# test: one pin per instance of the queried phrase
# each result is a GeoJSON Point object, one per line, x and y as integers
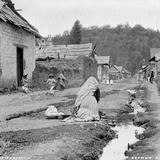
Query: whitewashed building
{"type": "Point", "coordinates": [17, 47]}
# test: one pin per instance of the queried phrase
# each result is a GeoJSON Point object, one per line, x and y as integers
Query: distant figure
{"type": "Point", "coordinates": [25, 84]}
{"type": "Point", "coordinates": [152, 77]}
{"type": "Point", "coordinates": [52, 83]}
{"type": "Point", "coordinates": [148, 78]}
{"type": "Point", "coordinates": [107, 78]}
{"type": "Point", "coordinates": [61, 82]}
{"type": "Point", "coordinates": [111, 81]}
{"type": "Point", "coordinates": [104, 79]}
{"type": "Point", "coordinates": [138, 76]}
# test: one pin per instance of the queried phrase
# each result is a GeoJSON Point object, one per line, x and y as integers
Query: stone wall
{"type": "Point", "coordinates": [14, 37]}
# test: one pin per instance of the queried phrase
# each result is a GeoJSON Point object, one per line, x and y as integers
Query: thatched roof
{"type": "Point", "coordinates": [13, 17]}
{"type": "Point", "coordinates": [102, 59]}
{"type": "Point", "coordinates": [63, 51]}
{"type": "Point", "coordinates": [113, 69]}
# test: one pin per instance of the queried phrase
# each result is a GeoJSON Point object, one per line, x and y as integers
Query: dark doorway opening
{"type": "Point", "coordinates": [20, 68]}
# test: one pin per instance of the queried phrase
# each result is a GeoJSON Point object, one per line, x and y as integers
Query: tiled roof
{"type": "Point", "coordinates": [13, 17]}
{"type": "Point", "coordinates": [64, 51]}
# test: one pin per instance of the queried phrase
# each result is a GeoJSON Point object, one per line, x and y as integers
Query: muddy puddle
{"type": "Point", "coordinates": [125, 135]}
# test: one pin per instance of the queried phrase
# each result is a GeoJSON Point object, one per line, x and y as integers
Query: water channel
{"type": "Point", "coordinates": [116, 148]}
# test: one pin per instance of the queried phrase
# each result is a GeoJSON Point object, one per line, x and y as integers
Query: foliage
{"type": "Point", "coordinates": [127, 46]}
{"type": "Point", "coordinates": [64, 39]}
{"type": "Point", "coordinates": [72, 37]}
{"type": "Point", "coordinates": [75, 34]}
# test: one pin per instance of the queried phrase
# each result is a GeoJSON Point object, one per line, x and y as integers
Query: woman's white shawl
{"type": "Point", "coordinates": [88, 88]}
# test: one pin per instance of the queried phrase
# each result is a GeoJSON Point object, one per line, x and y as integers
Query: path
{"type": "Point", "coordinates": [20, 102]}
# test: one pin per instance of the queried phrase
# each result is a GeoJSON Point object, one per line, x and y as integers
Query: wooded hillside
{"type": "Point", "coordinates": [127, 46]}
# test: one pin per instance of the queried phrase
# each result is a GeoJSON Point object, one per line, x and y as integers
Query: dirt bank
{"type": "Point", "coordinates": [92, 137]}
{"type": "Point", "coordinates": [88, 138]}
{"type": "Point", "coordinates": [146, 148]}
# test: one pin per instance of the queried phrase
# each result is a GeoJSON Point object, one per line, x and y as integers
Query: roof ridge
{"type": "Point", "coordinates": [12, 16]}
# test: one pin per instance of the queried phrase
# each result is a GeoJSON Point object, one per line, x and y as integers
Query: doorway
{"type": "Point", "coordinates": [20, 68]}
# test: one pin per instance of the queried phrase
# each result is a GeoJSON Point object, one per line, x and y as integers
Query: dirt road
{"type": "Point", "coordinates": [33, 137]}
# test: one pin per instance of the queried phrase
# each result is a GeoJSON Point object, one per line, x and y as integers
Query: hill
{"type": "Point", "coordinates": [127, 46]}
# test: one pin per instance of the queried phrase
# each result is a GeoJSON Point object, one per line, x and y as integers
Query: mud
{"type": "Point", "coordinates": [64, 107]}
{"type": "Point", "coordinates": [126, 130]}
{"type": "Point", "coordinates": [90, 139]}
{"type": "Point", "coordinates": [103, 94]}
{"type": "Point", "coordinates": [145, 147]}
{"type": "Point", "coordinates": [65, 141]}
{"type": "Point", "coordinates": [126, 135]}
{"type": "Point", "coordinates": [40, 111]}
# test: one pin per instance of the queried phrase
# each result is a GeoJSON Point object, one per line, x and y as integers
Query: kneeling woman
{"type": "Point", "coordinates": [86, 105]}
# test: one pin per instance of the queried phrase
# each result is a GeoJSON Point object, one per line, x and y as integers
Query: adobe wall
{"type": "Point", "coordinates": [76, 71]}
{"type": "Point", "coordinates": [11, 38]}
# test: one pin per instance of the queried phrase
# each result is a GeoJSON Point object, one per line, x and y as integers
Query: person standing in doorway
{"type": "Point", "coordinates": [152, 77]}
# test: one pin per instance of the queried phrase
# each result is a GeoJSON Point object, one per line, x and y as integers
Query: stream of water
{"type": "Point", "coordinates": [116, 148]}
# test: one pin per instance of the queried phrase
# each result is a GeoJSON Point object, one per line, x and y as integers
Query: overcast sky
{"type": "Point", "coordinates": [52, 17]}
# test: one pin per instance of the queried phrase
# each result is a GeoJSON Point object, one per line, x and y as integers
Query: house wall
{"type": "Point", "coordinates": [14, 37]}
{"type": "Point", "coordinates": [158, 76]}
{"type": "Point", "coordinates": [153, 68]}
{"type": "Point", "coordinates": [0, 63]}
{"type": "Point", "coordinates": [158, 67]}
{"type": "Point", "coordinates": [106, 71]}
{"type": "Point", "coordinates": [90, 68]}
{"type": "Point", "coordinates": [99, 72]}
{"type": "Point", "coordinates": [114, 74]}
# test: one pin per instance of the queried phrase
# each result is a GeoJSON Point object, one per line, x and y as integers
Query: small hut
{"type": "Point", "coordinates": [102, 67]}
{"type": "Point", "coordinates": [114, 72]}
{"type": "Point", "coordinates": [17, 47]}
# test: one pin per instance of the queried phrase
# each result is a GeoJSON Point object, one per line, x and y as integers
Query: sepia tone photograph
{"type": "Point", "coordinates": [79, 79]}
